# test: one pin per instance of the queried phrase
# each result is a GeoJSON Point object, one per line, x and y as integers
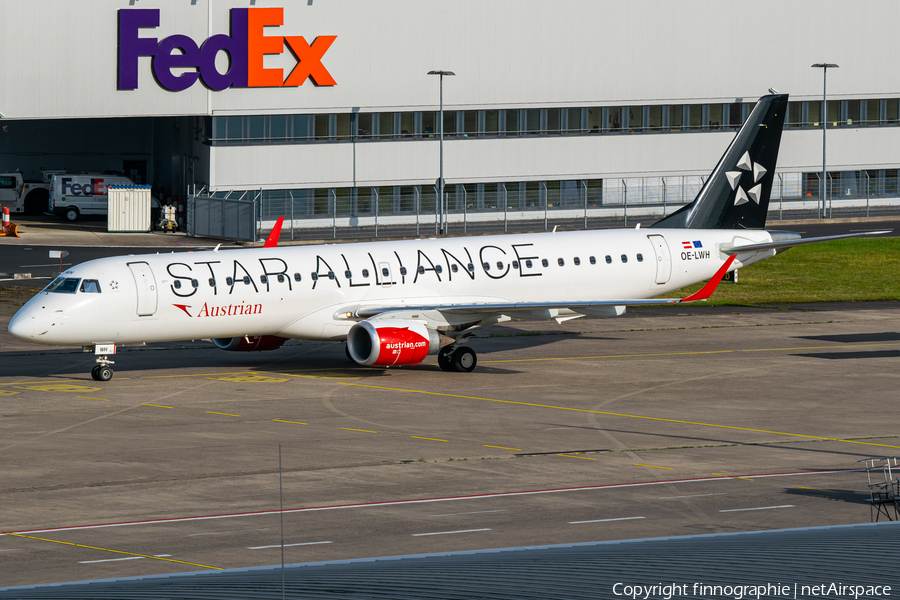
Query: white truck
{"type": "Point", "coordinates": [72, 196]}
{"type": "Point", "coordinates": [26, 196]}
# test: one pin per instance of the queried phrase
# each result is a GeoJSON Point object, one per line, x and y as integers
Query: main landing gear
{"type": "Point", "coordinates": [102, 371]}
{"type": "Point", "coordinates": [461, 359]}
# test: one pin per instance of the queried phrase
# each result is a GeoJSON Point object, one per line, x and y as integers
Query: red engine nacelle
{"type": "Point", "coordinates": [250, 343]}
{"type": "Point", "coordinates": [391, 342]}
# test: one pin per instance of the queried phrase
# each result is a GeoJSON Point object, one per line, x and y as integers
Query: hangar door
{"type": "Point", "coordinates": [146, 288]}
{"type": "Point", "coordinates": [663, 258]}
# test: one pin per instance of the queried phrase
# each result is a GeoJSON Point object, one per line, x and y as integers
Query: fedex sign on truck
{"type": "Point", "coordinates": [246, 45]}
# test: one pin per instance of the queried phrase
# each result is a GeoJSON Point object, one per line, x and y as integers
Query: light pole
{"type": "Point", "coordinates": [824, 67]}
{"type": "Point", "coordinates": [441, 121]}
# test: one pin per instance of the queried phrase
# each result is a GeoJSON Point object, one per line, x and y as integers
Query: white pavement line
{"type": "Point", "coordinates": [610, 486]}
{"type": "Point", "coordinates": [446, 532]}
{"type": "Point", "coordinates": [87, 562]}
{"type": "Point", "coordinates": [692, 496]}
{"type": "Point", "coordinates": [286, 545]}
{"type": "Point", "coordinates": [605, 520]}
{"type": "Point", "coordinates": [757, 508]}
{"type": "Point", "coordinates": [474, 512]}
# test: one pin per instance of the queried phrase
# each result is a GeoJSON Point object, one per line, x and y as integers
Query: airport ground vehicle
{"type": "Point", "coordinates": [396, 302]}
{"type": "Point", "coordinates": [73, 196]}
{"type": "Point", "coordinates": [26, 196]}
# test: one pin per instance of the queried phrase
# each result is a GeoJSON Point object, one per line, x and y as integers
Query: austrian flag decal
{"type": "Point", "coordinates": [691, 245]}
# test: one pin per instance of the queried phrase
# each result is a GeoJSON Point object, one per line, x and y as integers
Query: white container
{"type": "Point", "coordinates": [129, 209]}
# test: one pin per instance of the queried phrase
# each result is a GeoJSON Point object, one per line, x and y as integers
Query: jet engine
{"type": "Point", "coordinates": [391, 342]}
{"type": "Point", "coordinates": [250, 343]}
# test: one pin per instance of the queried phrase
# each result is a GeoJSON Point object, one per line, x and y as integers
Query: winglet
{"type": "Point", "coordinates": [272, 240]}
{"type": "Point", "coordinates": [711, 285]}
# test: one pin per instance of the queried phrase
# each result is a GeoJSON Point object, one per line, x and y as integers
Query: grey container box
{"type": "Point", "coordinates": [129, 209]}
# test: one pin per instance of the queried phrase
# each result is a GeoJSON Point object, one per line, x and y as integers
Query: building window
{"type": "Point", "coordinates": [491, 122]}
{"type": "Point", "coordinates": [654, 118]}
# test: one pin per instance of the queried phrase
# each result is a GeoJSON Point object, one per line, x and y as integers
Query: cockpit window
{"type": "Point", "coordinates": [90, 286]}
{"type": "Point", "coordinates": [63, 285]}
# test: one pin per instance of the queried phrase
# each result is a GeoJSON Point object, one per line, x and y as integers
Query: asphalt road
{"type": "Point", "coordinates": [662, 422]}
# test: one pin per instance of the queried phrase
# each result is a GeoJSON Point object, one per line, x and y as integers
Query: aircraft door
{"type": "Point", "coordinates": [385, 276]}
{"type": "Point", "coordinates": [145, 283]}
{"type": "Point", "coordinates": [663, 258]}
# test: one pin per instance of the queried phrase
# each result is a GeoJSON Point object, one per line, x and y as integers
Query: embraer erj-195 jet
{"type": "Point", "coordinates": [396, 302]}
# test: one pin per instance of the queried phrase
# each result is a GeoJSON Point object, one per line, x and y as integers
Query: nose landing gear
{"type": "Point", "coordinates": [102, 371]}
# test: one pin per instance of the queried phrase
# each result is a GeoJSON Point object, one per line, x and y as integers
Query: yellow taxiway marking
{"type": "Point", "coordinates": [156, 405]}
{"type": "Point", "coordinates": [684, 353]}
{"type": "Point", "coordinates": [31, 537]}
{"type": "Point", "coordinates": [252, 378]}
{"type": "Point", "coordinates": [10, 393]}
{"type": "Point", "coordinates": [294, 422]}
{"type": "Point", "coordinates": [363, 430]}
{"type": "Point", "coordinates": [653, 466]}
{"type": "Point", "coordinates": [573, 456]}
{"type": "Point", "coordinates": [816, 489]}
{"type": "Point", "coordinates": [196, 375]}
{"type": "Point", "coordinates": [503, 448]}
{"type": "Point", "coordinates": [735, 477]}
{"type": "Point", "coordinates": [425, 438]}
{"type": "Point", "coordinates": [58, 387]}
{"type": "Point", "coordinates": [36, 382]}
{"type": "Point", "coordinates": [612, 414]}
{"type": "Point", "coordinates": [212, 412]}
{"type": "Point", "coordinates": [86, 398]}
{"type": "Point", "coordinates": [325, 375]}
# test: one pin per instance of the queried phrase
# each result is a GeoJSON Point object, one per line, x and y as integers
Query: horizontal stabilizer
{"type": "Point", "coordinates": [796, 242]}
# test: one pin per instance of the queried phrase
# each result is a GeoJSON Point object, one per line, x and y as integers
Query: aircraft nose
{"type": "Point", "coordinates": [22, 325]}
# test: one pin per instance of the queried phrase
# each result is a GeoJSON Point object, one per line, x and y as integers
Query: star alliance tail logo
{"type": "Point", "coordinates": [734, 177]}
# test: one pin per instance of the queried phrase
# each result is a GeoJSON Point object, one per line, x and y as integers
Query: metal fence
{"type": "Point", "coordinates": [232, 219]}
{"type": "Point", "coordinates": [404, 211]}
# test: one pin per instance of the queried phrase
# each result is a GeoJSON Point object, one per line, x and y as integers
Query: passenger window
{"type": "Point", "coordinates": [593, 260]}
{"type": "Point", "coordinates": [438, 269]}
{"type": "Point", "coordinates": [212, 282]}
{"type": "Point", "coordinates": [486, 266]}
{"type": "Point", "coordinates": [246, 280]}
{"type": "Point", "coordinates": [263, 279]}
{"type": "Point", "coordinates": [177, 284]}
{"type": "Point", "coordinates": [402, 271]}
{"type": "Point", "coordinates": [608, 259]}
{"type": "Point", "coordinates": [560, 261]}
{"type": "Point", "coordinates": [499, 265]}
{"type": "Point", "coordinates": [454, 268]}
{"type": "Point", "coordinates": [296, 276]}
{"type": "Point", "coordinates": [640, 257]}
{"type": "Point", "coordinates": [365, 273]}
{"type": "Point", "coordinates": [421, 270]}
{"type": "Point", "coordinates": [385, 272]}
{"type": "Point", "coordinates": [624, 258]}
{"type": "Point", "coordinates": [195, 284]}
{"type": "Point", "coordinates": [577, 261]}
{"type": "Point", "coordinates": [314, 276]}
{"type": "Point", "coordinates": [228, 281]}
{"type": "Point", "coordinates": [280, 278]}
{"type": "Point", "coordinates": [90, 286]}
{"type": "Point", "coordinates": [471, 267]}
{"type": "Point", "coordinates": [528, 263]}
{"type": "Point", "coordinates": [515, 264]}
{"type": "Point", "coordinates": [348, 274]}
{"type": "Point", "coordinates": [331, 275]}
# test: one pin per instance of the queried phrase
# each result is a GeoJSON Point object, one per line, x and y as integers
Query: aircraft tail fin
{"type": "Point", "coordinates": [736, 195]}
{"type": "Point", "coordinates": [272, 240]}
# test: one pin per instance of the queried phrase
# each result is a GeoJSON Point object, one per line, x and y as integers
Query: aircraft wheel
{"type": "Point", "coordinates": [445, 359]}
{"type": "Point", "coordinates": [103, 373]}
{"type": "Point", "coordinates": [94, 372]}
{"type": "Point", "coordinates": [464, 359]}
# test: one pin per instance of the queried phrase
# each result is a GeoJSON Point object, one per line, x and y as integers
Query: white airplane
{"type": "Point", "coordinates": [396, 302]}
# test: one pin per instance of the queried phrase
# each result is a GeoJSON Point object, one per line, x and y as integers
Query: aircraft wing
{"type": "Point", "coordinates": [796, 242]}
{"type": "Point", "coordinates": [704, 293]}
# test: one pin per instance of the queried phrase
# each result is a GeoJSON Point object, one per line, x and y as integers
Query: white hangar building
{"type": "Point", "coordinates": [329, 102]}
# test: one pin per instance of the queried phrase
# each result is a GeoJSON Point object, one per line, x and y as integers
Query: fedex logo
{"type": "Point", "coordinates": [246, 45]}
{"type": "Point", "coordinates": [96, 187]}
